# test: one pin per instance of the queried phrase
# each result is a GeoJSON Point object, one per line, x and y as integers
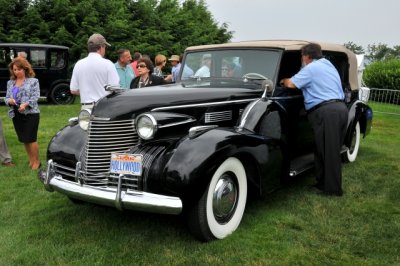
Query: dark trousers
{"type": "Point", "coordinates": [329, 123]}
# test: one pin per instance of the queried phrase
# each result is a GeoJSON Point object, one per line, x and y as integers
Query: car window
{"type": "Point", "coordinates": [57, 59]}
{"type": "Point", "coordinates": [6, 56]}
{"type": "Point", "coordinates": [231, 66]}
{"type": "Point", "coordinates": [340, 61]}
{"type": "Point", "coordinates": [38, 57]}
{"type": "Point", "coordinates": [230, 63]}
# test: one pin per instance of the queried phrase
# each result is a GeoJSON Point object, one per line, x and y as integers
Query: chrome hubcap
{"type": "Point", "coordinates": [225, 198]}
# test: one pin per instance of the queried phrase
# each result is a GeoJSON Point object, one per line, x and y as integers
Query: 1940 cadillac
{"type": "Point", "coordinates": [223, 131]}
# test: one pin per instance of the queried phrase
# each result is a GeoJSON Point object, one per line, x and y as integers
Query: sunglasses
{"type": "Point", "coordinates": [141, 66]}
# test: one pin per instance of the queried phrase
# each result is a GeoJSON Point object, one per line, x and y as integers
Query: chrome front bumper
{"type": "Point", "coordinates": [114, 197]}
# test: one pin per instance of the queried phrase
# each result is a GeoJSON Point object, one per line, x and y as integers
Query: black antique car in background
{"type": "Point", "coordinates": [201, 146]}
{"type": "Point", "coordinates": [50, 63]}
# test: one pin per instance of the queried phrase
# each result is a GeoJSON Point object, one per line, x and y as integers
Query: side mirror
{"type": "Point", "coordinates": [268, 87]}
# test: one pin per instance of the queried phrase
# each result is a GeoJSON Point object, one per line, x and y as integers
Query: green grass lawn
{"type": "Point", "coordinates": [289, 227]}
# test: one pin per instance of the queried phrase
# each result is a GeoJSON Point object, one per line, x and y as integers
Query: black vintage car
{"type": "Point", "coordinates": [50, 63]}
{"type": "Point", "coordinates": [224, 131]}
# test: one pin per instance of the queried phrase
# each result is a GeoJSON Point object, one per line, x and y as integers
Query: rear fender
{"type": "Point", "coordinates": [362, 113]}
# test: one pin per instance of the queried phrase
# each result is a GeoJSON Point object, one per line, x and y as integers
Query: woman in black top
{"type": "Point", "coordinates": [146, 79]}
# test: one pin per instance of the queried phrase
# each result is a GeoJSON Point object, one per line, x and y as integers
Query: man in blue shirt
{"type": "Point", "coordinates": [125, 72]}
{"type": "Point", "coordinates": [324, 101]}
{"type": "Point", "coordinates": [176, 67]}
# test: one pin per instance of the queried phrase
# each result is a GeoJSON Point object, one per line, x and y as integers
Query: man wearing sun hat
{"type": "Point", "coordinates": [93, 72]}
{"type": "Point", "coordinates": [176, 66]}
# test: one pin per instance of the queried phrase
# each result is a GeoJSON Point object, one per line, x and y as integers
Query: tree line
{"type": "Point", "coordinates": [148, 26]}
{"type": "Point", "coordinates": [375, 52]}
{"type": "Point", "coordinates": [382, 70]}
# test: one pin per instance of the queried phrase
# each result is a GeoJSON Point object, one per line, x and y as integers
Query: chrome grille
{"type": "Point", "coordinates": [64, 171]}
{"type": "Point", "coordinates": [105, 137]}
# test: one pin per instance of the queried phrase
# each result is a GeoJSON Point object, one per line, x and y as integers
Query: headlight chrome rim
{"type": "Point", "coordinates": [146, 126]}
{"type": "Point", "coordinates": [84, 118]}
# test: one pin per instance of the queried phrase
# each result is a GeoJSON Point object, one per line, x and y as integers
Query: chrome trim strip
{"type": "Point", "coordinates": [243, 120]}
{"type": "Point", "coordinates": [190, 120]}
{"type": "Point", "coordinates": [285, 97]}
{"type": "Point", "coordinates": [201, 104]}
{"type": "Point", "coordinates": [194, 130]}
{"type": "Point", "coordinates": [101, 118]}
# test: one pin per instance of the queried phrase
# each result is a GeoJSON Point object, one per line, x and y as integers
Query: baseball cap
{"type": "Point", "coordinates": [174, 58]}
{"type": "Point", "coordinates": [97, 39]}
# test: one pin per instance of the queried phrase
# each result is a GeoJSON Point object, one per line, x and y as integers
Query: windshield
{"type": "Point", "coordinates": [232, 66]}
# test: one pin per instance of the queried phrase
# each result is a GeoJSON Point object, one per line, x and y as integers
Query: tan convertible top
{"type": "Point", "coordinates": [290, 45]}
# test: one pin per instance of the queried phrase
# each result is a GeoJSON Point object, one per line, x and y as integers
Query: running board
{"type": "Point", "coordinates": [301, 164]}
{"type": "Point", "coordinates": [306, 162]}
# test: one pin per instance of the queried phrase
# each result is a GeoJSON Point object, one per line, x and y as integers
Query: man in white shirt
{"type": "Point", "coordinates": [93, 72]}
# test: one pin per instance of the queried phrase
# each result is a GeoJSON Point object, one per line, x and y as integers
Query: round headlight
{"type": "Point", "coordinates": [84, 118]}
{"type": "Point", "coordinates": [146, 126]}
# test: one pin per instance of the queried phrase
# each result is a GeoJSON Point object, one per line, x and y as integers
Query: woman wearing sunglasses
{"type": "Point", "coordinates": [146, 79]}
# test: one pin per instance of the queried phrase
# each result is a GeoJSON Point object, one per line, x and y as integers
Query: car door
{"type": "Point", "coordinates": [299, 132]}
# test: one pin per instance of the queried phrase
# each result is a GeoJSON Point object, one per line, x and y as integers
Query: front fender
{"type": "Point", "coordinates": [253, 112]}
{"type": "Point", "coordinates": [195, 159]}
{"type": "Point", "coordinates": [66, 146]}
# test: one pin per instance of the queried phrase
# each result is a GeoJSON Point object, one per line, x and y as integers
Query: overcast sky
{"type": "Point", "coordinates": [361, 21]}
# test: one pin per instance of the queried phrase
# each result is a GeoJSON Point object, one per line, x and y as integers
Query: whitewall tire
{"type": "Point", "coordinates": [351, 153]}
{"type": "Point", "coordinates": [220, 209]}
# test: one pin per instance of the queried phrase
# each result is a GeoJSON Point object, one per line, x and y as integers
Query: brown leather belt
{"type": "Point", "coordinates": [322, 104]}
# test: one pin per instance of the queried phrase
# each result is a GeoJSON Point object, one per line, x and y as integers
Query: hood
{"type": "Point", "coordinates": [124, 104]}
